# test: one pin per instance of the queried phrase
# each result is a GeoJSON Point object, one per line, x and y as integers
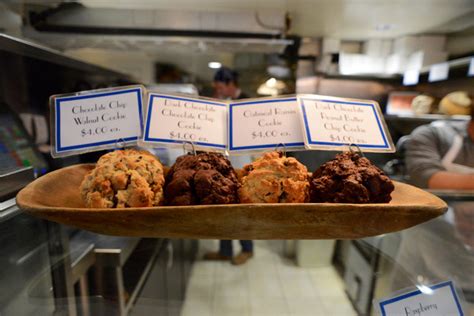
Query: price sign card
{"type": "Point", "coordinates": [411, 77]}
{"type": "Point", "coordinates": [437, 300]}
{"type": "Point", "coordinates": [438, 72]}
{"type": "Point", "coordinates": [331, 123]}
{"type": "Point", "coordinates": [96, 120]}
{"type": "Point", "coordinates": [263, 124]}
{"type": "Point", "coordinates": [470, 70]}
{"type": "Point", "coordinates": [174, 120]}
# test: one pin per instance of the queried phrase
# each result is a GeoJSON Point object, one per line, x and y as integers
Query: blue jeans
{"type": "Point", "coordinates": [225, 247]}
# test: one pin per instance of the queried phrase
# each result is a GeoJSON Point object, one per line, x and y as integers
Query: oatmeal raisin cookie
{"type": "Point", "coordinates": [274, 178]}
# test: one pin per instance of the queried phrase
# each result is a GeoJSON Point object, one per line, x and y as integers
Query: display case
{"type": "Point", "coordinates": [55, 269]}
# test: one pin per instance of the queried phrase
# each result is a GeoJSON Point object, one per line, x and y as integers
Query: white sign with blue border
{"type": "Point", "coordinates": [438, 72]}
{"type": "Point", "coordinates": [172, 120]}
{"type": "Point", "coordinates": [470, 70]}
{"type": "Point", "coordinates": [331, 123]}
{"type": "Point", "coordinates": [96, 120]}
{"type": "Point", "coordinates": [265, 123]}
{"type": "Point", "coordinates": [436, 300]}
{"type": "Point", "coordinates": [411, 77]}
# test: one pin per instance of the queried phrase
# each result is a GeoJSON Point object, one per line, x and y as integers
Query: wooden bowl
{"type": "Point", "coordinates": [55, 196]}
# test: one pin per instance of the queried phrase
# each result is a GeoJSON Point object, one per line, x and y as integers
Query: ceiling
{"type": "Point", "coordinates": [353, 20]}
{"type": "Point", "coordinates": [345, 19]}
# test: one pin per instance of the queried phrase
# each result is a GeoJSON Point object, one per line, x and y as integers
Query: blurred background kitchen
{"type": "Point", "coordinates": [416, 58]}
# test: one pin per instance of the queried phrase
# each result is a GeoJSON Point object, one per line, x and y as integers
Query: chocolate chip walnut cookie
{"type": "Point", "coordinates": [274, 178]}
{"type": "Point", "coordinates": [124, 178]}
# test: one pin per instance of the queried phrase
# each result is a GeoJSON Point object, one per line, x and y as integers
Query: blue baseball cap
{"type": "Point", "coordinates": [226, 75]}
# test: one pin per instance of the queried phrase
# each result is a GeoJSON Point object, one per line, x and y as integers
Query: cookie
{"type": "Point", "coordinates": [350, 178]}
{"type": "Point", "coordinates": [205, 178]}
{"type": "Point", "coordinates": [274, 178]}
{"type": "Point", "coordinates": [124, 178]}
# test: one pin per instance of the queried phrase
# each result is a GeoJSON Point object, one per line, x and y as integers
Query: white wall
{"type": "Point", "coordinates": [460, 44]}
{"type": "Point", "coordinates": [10, 22]}
{"type": "Point", "coordinates": [137, 64]}
{"type": "Point", "coordinates": [141, 65]}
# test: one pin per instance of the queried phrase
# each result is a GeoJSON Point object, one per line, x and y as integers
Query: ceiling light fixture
{"type": "Point", "coordinates": [214, 65]}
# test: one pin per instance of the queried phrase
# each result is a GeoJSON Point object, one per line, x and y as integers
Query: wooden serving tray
{"type": "Point", "coordinates": [55, 196]}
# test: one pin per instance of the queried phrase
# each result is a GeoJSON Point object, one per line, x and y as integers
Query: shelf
{"type": "Point", "coordinates": [455, 63]}
{"type": "Point", "coordinates": [8, 209]}
{"type": "Point", "coordinates": [361, 76]}
{"type": "Point", "coordinates": [40, 52]}
{"type": "Point", "coordinates": [426, 117]}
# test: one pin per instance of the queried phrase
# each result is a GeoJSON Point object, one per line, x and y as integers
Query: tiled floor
{"type": "Point", "coordinates": [268, 285]}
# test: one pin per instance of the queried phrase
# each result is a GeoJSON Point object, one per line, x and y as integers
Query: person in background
{"type": "Point", "coordinates": [441, 156]}
{"type": "Point", "coordinates": [226, 87]}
